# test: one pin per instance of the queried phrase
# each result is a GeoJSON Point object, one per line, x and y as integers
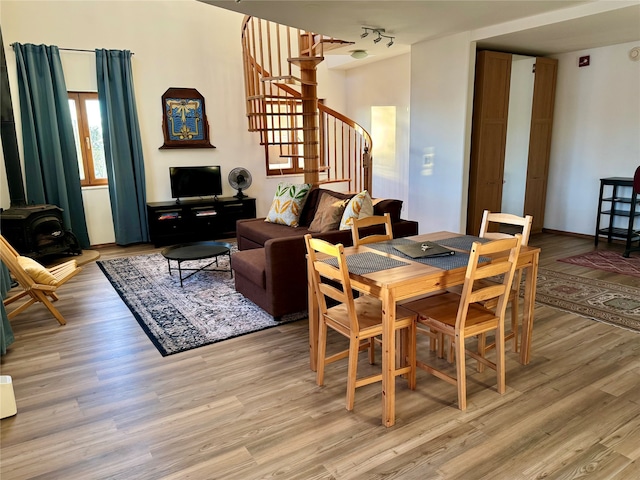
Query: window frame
{"type": "Point", "coordinates": [90, 179]}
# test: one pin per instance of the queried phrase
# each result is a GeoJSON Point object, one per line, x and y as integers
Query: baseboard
{"type": "Point", "coordinates": [603, 238]}
{"type": "Point", "coordinates": [567, 234]}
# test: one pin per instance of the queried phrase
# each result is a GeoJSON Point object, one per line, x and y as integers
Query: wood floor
{"type": "Point", "coordinates": [96, 400]}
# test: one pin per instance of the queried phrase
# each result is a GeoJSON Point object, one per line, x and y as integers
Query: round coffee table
{"type": "Point", "coordinates": [197, 251]}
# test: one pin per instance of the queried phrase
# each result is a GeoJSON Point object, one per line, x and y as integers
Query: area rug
{"type": "Point", "coordinates": [605, 302]}
{"type": "Point", "coordinates": [608, 261]}
{"type": "Point", "coordinates": [206, 310]}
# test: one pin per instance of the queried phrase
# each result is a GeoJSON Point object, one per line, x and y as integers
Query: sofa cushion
{"type": "Point", "coordinates": [251, 264]}
{"type": "Point", "coordinates": [310, 206]}
{"type": "Point", "coordinates": [359, 206]}
{"type": "Point", "coordinates": [287, 204]}
{"type": "Point", "coordinates": [328, 213]}
{"type": "Point", "coordinates": [36, 271]}
{"type": "Point", "coordinates": [258, 232]}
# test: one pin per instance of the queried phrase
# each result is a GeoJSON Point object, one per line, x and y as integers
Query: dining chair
{"type": "Point", "coordinates": [38, 283]}
{"type": "Point", "coordinates": [360, 223]}
{"type": "Point", "coordinates": [358, 319]}
{"type": "Point", "coordinates": [490, 227]}
{"type": "Point", "coordinates": [459, 317]}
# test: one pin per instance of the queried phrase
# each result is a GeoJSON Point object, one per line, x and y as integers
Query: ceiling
{"type": "Point", "coordinates": [597, 23]}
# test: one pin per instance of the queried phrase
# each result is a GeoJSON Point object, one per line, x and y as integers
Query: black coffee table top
{"type": "Point", "coordinates": [196, 250]}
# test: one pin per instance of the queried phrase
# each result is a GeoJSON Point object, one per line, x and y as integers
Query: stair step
{"type": "Point", "coordinates": [335, 180]}
{"type": "Point", "coordinates": [287, 79]}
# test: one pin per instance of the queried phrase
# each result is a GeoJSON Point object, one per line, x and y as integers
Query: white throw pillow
{"type": "Point", "coordinates": [360, 206]}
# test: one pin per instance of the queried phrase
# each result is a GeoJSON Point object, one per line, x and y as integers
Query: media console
{"type": "Point", "coordinates": [195, 220]}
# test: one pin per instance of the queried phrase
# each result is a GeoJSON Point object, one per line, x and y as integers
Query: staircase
{"type": "Point", "coordinates": [299, 133]}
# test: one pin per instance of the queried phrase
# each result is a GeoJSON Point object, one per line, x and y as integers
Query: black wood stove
{"type": "Point", "coordinates": [37, 231]}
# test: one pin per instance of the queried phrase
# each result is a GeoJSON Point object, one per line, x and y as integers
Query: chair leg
{"type": "Point", "coordinates": [461, 373]}
{"type": "Point", "coordinates": [412, 354]}
{"type": "Point", "coordinates": [47, 303]}
{"type": "Point", "coordinates": [322, 353]}
{"type": "Point", "coordinates": [372, 350]}
{"type": "Point", "coordinates": [482, 349]}
{"type": "Point", "coordinates": [514, 321]}
{"type": "Point", "coordinates": [500, 361]}
{"type": "Point", "coordinates": [352, 371]}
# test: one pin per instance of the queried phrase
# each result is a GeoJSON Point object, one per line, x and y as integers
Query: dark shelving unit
{"type": "Point", "coordinates": [617, 200]}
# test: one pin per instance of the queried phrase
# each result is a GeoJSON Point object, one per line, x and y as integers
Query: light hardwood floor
{"type": "Point", "coordinates": [96, 400]}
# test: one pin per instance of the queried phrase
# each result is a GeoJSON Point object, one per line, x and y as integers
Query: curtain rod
{"type": "Point", "coordinates": [75, 49]}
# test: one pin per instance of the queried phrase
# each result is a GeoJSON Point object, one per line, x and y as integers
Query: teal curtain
{"type": "Point", "coordinates": [50, 159]}
{"type": "Point", "coordinates": [6, 334]}
{"type": "Point", "coordinates": [122, 145]}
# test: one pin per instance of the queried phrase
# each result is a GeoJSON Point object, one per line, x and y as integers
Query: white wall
{"type": "Point", "coordinates": [595, 133]}
{"type": "Point", "coordinates": [384, 83]}
{"type": "Point", "coordinates": [442, 73]}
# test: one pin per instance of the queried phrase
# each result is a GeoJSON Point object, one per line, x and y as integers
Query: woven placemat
{"type": "Point", "coordinates": [463, 242]}
{"type": "Point", "coordinates": [460, 259]}
{"type": "Point", "coordinates": [368, 262]}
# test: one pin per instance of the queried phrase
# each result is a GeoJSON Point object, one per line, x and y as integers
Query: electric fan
{"type": "Point", "coordinates": [240, 179]}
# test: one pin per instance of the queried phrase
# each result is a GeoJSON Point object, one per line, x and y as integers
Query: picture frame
{"type": "Point", "coordinates": [184, 120]}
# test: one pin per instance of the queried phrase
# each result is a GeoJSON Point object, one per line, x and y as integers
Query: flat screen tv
{"type": "Point", "coordinates": [195, 181]}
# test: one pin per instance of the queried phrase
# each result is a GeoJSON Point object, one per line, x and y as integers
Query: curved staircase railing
{"type": "Point", "coordinates": [299, 133]}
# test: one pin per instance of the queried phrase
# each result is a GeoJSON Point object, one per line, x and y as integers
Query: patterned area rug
{"type": "Point", "coordinates": [206, 310]}
{"type": "Point", "coordinates": [606, 302]}
{"type": "Point", "coordinates": [608, 261]}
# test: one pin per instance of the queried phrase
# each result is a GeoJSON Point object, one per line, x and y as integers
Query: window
{"type": "Point", "coordinates": [87, 129]}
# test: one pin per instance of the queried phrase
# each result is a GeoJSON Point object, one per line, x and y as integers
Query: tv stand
{"type": "Point", "coordinates": [192, 220]}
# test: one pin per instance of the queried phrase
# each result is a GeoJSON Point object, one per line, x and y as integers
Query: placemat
{"type": "Point", "coordinates": [462, 243]}
{"type": "Point", "coordinates": [367, 262]}
{"type": "Point", "coordinates": [460, 259]}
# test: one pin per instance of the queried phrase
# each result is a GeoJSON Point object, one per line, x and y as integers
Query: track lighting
{"type": "Point", "coordinates": [379, 32]}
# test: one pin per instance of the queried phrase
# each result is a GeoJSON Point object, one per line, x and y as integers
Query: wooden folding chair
{"type": "Point", "coordinates": [37, 282]}
{"type": "Point", "coordinates": [359, 319]}
{"type": "Point", "coordinates": [459, 317]}
{"type": "Point", "coordinates": [359, 223]}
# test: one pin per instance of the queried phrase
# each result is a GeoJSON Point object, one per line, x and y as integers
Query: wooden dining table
{"type": "Point", "coordinates": [414, 279]}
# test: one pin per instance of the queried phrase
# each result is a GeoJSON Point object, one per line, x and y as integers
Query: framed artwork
{"type": "Point", "coordinates": [184, 121]}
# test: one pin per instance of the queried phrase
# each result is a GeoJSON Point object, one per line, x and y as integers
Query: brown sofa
{"type": "Point", "coordinates": [270, 267]}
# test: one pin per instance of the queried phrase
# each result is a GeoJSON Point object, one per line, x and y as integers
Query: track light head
{"type": "Point", "coordinates": [376, 40]}
{"type": "Point", "coordinates": [363, 35]}
{"type": "Point", "coordinates": [390, 43]}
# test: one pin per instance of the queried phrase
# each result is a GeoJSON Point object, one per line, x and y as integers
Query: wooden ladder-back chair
{"type": "Point", "coordinates": [359, 319]}
{"type": "Point", "coordinates": [460, 316]}
{"type": "Point", "coordinates": [37, 282]}
{"type": "Point", "coordinates": [490, 222]}
{"type": "Point", "coordinates": [359, 223]}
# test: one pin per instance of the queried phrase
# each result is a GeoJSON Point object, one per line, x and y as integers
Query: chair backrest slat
{"type": "Point", "coordinates": [491, 219]}
{"type": "Point", "coordinates": [360, 223]}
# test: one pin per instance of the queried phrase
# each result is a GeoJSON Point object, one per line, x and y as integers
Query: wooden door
{"type": "Point", "coordinates": [544, 93]}
{"type": "Point", "coordinates": [488, 136]}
